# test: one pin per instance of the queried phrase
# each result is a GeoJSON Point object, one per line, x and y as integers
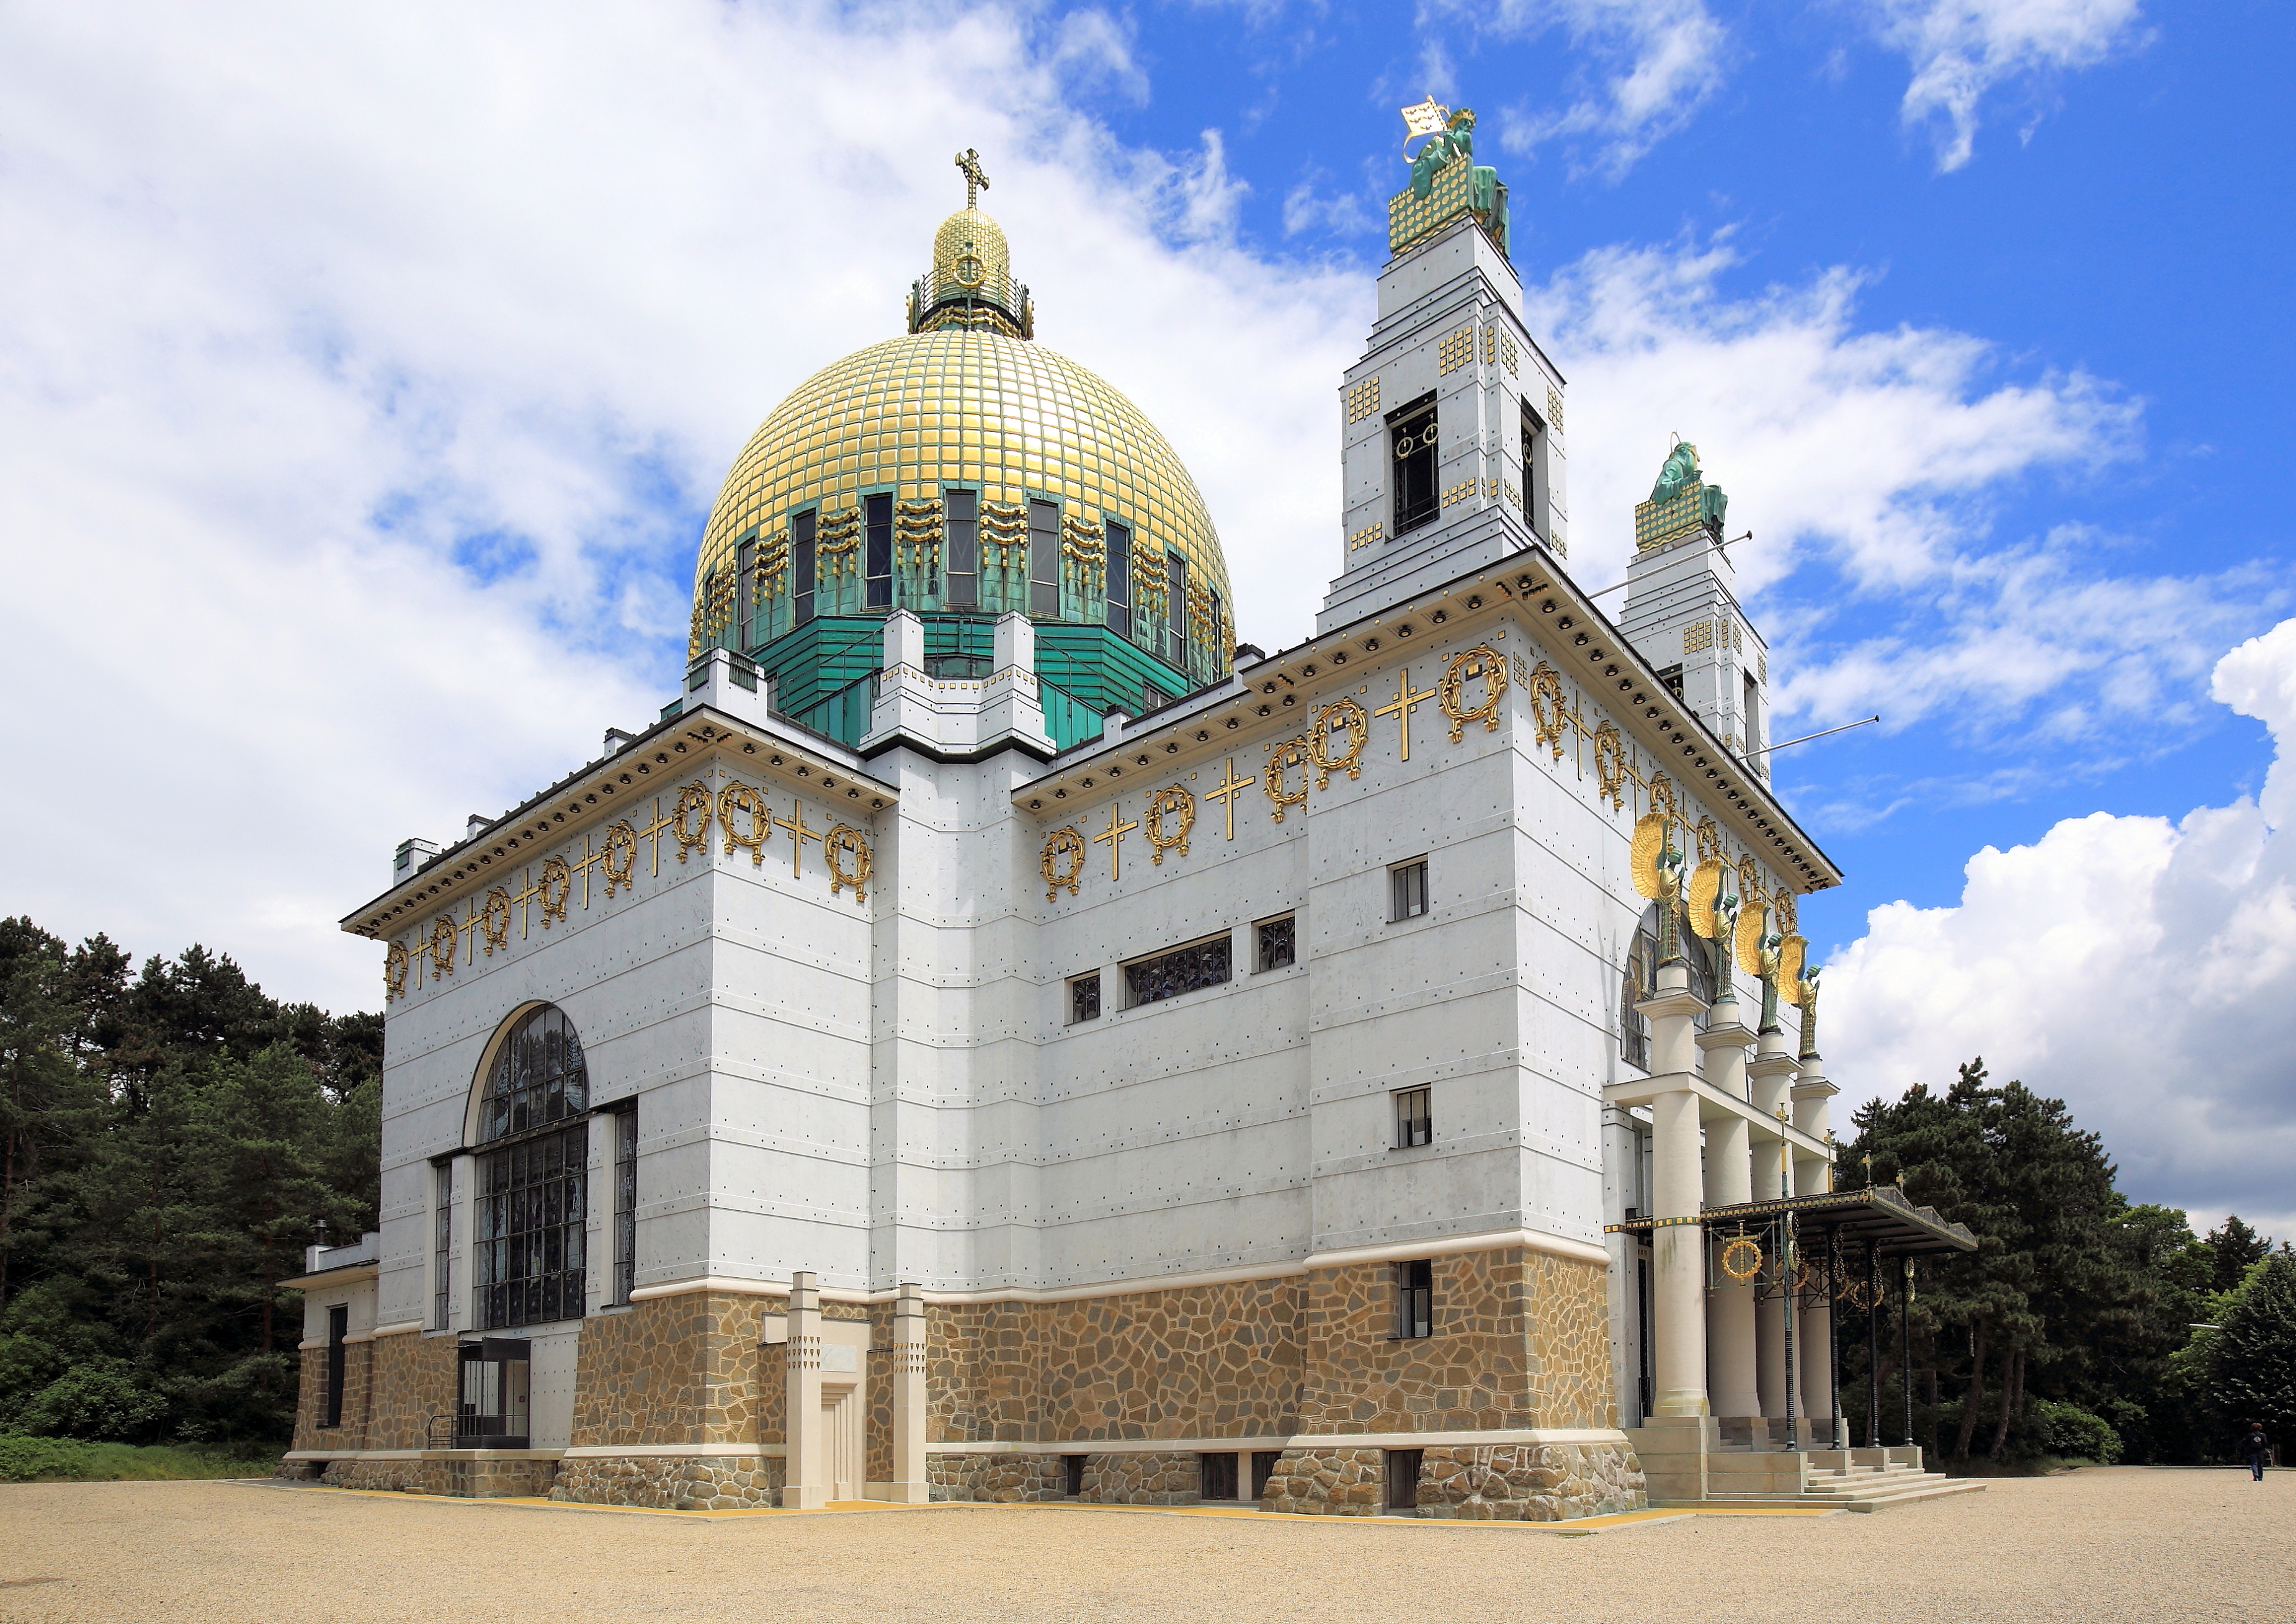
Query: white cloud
{"type": "Point", "coordinates": [2143, 971]}
{"type": "Point", "coordinates": [1962, 50]}
{"type": "Point", "coordinates": [1651, 64]}
{"type": "Point", "coordinates": [365, 374]}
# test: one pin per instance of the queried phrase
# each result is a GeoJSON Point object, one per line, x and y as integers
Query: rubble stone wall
{"type": "Point", "coordinates": [716, 1482]}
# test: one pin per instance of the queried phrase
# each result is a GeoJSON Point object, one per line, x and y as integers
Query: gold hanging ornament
{"type": "Point", "coordinates": [1742, 1258]}
{"type": "Point", "coordinates": [1548, 716]}
{"type": "Point", "coordinates": [1281, 759]}
{"type": "Point", "coordinates": [394, 971]}
{"type": "Point", "coordinates": [845, 841]}
{"type": "Point", "coordinates": [693, 799]}
{"type": "Point", "coordinates": [1171, 813]}
{"type": "Point", "coordinates": [555, 889]}
{"type": "Point", "coordinates": [739, 798]}
{"type": "Point", "coordinates": [619, 860]}
{"type": "Point", "coordinates": [1341, 715]}
{"type": "Point", "coordinates": [494, 920]}
{"type": "Point", "coordinates": [1482, 660]}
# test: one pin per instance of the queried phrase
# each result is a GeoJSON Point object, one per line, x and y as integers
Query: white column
{"type": "Point", "coordinates": [1814, 1176]}
{"type": "Point", "coordinates": [1730, 1356]}
{"type": "Point", "coordinates": [1769, 1078]}
{"type": "Point", "coordinates": [1677, 1253]}
{"type": "Point", "coordinates": [909, 1486]}
{"type": "Point", "coordinates": [805, 1484]}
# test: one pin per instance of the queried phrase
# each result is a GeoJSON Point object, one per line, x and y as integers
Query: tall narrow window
{"type": "Point", "coordinates": [1264, 1463]}
{"type": "Point", "coordinates": [745, 594]}
{"type": "Point", "coordinates": [529, 1247]}
{"type": "Point", "coordinates": [1045, 559]}
{"type": "Point", "coordinates": [1176, 615]}
{"type": "Point", "coordinates": [1414, 1120]}
{"type": "Point", "coordinates": [1119, 579]}
{"type": "Point", "coordinates": [1403, 1479]}
{"type": "Point", "coordinates": [1639, 982]}
{"type": "Point", "coordinates": [625, 1201]}
{"type": "Point", "coordinates": [1412, 446]}
{"type": "Point", "coordinates": [1753, 717]}
{"type": "Point", "coordinates": [1279, 941]}
{"type": "Point", "coordinates": [1415, 1300]}
{"type": "Point", "coordinates": [801, 528]}
{"type": "Point", "coordinates": [338, 1325]}
{"type": "Point", "coordinates": [877, 522]}
{"type": "Point", "coordinates": [1534, 470]}
{"type": "Point", "coordinates": [1408, 884]}
{"type": "Point", "coordinates": [1671, 676]}
{"type": "Point", "coordinates": [442, 1255]}
{"type": "Point", "coordinates": [1084, 998]}
{"type": "Point", "coordinates": [495, 1388]}
{"type": "Point", "coordinates": [961, 509]}
{"type": "Point", "coordinates": [1214, 625]}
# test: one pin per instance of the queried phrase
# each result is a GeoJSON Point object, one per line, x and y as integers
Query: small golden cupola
{"type": "Point", "coordinates": [971, 284]}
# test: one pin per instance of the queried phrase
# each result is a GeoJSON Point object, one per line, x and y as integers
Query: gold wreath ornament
{"type": "Point", "coordinates": [442, 944]}
{"type": "Point", "coordinates": [1482, 660]}
{"type": "Point", "coordinates": [1281, 759]}
{"type": "Point", "coordinates": [1663, 798]}
{"type": "Point", "coordinates": [1548, 716]}
{"type": "Point", "coordinates": [1171, 813]}
{"type": "Point", "coordinates": [845, 840]}
{"type": "Point", "coordinates": [1341, 715]}
{"type": "Point", "coordinates": [693, 798]}
{"type": "Point", "coordinates": [1642, 858]}
{"type": "Point", "coordinates": [494, 920]}
{"type": "Point", "coordinates": [394, 971]}
{"type": "Point", "coordinates": [1611, 764]}
{"type": "Point", "coordinates": [622, 838]}
{"type": "Point", "coordinates": [1790, 955]}
{"type": "Point", "coordinates": [739, 798]}
{"type": "Point", "coordinates": [1063, 862]}
{"type": "Point", "coordinates": [1705, 889]}
{"type": "Point", "coordinates": [554, 875]}
{"type": "Point", "coordinates": [1741, 1259]}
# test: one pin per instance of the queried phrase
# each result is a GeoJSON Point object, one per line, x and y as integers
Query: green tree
{"type": "Point", "coordinates": [2232, 1246]}
{"type": "Point", "coordinates": [2251, 1361]}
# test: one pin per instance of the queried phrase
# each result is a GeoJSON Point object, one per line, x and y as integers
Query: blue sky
{"type": "Point", "coordinates": [365, 375]}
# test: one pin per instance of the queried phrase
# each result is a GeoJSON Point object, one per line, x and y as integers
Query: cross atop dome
{"type": "Point", "coordinates": [975, 178]}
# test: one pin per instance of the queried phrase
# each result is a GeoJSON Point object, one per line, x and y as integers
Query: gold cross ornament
{"type": "Point", "coordinates": [1231, 786]}
{"type": "Point", "coordinates": [798, 835]}
{"type": "Point", "coordinates": [525, 900]}
{"type": "Point", "coordinates": [1114, 835]}
{"type": "Point", "coordinates": [975, 178]}
{"type": "Point", "coordinates": [653, 831]}
{"type": "Point", "coordinates": [1405, 702]}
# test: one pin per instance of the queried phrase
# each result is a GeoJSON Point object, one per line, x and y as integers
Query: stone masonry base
{"type": "Point", "coordinates": [474, 1480]}
{"type": "Point", "coordinates": [1496, 1482]}
{"type": "Point", "coordinates": [716, 1482]}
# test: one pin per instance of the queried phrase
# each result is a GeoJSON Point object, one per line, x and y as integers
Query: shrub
{"type": "Point", "coordinates": [26, 1460]}
{"type": "Point", "coordinates": [101, 1399]}
{"type": "Point", "coordinates": [2071, 1434]}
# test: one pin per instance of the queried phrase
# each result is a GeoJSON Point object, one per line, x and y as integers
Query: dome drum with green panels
{"type": "Point", "coordinates": [963, 472]}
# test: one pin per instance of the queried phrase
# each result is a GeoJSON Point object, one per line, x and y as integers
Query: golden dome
{"type": "Point", "coordinates": [971, 408]}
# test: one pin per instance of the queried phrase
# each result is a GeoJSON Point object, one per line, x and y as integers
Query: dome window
{"type": "Point", "coordinates": [1119, 579]}
{"type": "Point", "coordinates": [1175, 616]}
{"type": "Point", "coordinates": [877, 541]}
{"type": "Point", "coordinates": [801, 562]}
{"type": "Point", "coordinates": [963, 511]}
{"type": "Point", "coordinates": [1044, 559]}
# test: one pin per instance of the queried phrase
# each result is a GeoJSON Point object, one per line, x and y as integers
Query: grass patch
{"type": "Point", "coordinates": [68, 1460]}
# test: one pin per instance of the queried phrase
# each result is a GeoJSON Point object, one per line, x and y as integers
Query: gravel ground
{"type": "Point", "coordinates": [2097, 1547]}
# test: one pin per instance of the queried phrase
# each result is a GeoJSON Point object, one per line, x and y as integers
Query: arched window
{"type": "Point", "coordinates": [533, 1197]}
{"type": "Point", "coordinates": [1640, 981]}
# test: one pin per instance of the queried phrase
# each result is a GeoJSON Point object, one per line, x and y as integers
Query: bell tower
{"type": "Point", "coordinates": [1451, 424]}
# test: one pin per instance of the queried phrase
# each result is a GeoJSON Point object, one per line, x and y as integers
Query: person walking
{"type": "Point", "coordinates": [2254, 1446]}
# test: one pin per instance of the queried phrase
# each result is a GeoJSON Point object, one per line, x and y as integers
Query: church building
{"type": "Point", "coordinates": [995, 1036]}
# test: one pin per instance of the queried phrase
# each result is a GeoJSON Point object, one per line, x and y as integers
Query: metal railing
{"type": "Point", "coordinates": [473, 1432]}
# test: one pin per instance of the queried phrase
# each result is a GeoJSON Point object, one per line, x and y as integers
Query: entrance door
{"type": "Point", "coordinates": [840, 1440]}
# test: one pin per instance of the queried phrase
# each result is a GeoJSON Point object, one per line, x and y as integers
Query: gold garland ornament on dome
{"type": "Point", "coordinates": [494, 920]}
{"type": "Point", "coordinates": [1281, 759]}
{"type": "Point", "coordinates": [1611, 764]}
{"type": "Point", "coordinates": [845, 840]}
{"type": "Point", "coordinates": [394, 971]}
{"type": "Point", "coordinates": [1177, 804]}
{"type": "Point", "coordinates": [1341, 715]}
{"type": "Point", "coordinates": [622, 838]}
{"type": "Point", "coordinates": [1063, 861]}
{"type": "Point", "coordinates": [1742, 1258]}
{"type": "Point", "coordinates": [1548, 716]}
{"type": "Point", "coordinates": [554, 874]}
{"type": "Point", "coordinates": [442, 944]}
{"type": "Point", "coordinates": [739, 798]}
{"type": "Point", "coordinates": [1482, 660]}
{"type": "Point", "coordinates": [693, 798]}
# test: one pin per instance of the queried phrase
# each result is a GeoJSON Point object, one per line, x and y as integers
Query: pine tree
{"type": "Point", "coordinates": [2251, 1361]}
{"type": "Point", "coordinates": [2234, 1246]}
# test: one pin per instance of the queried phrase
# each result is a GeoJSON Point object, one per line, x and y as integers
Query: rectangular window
{"type": "Point", "coordinates": [1403, 1479]}
{"type": "Point", "coordinates": [625, 1201]}
{"type": "Point", "coordinates": [877, 539]}
{"type": "Point", "coordinates": [1409, 883]}
{"type": "Point", "coordinates": [1414, 1123]}
{"type": "Point", "coordinates": [1753, 717]}
{"type": "Point", "coordinates": [745, 594]}
{"type": "Point", "coordinates": [1639, 983]}
{"type": "Point", "coordinates": [1278, 941]}
{"type": "Point", "coordinates": [531, 1225]}
{"type": "Point", "coordinates": [1073, 1467]}
{"type": "Point", "coordinates": [1119, 579]}
{"type": "Point", "coordinates": [339, 1326]}
{"type": "Point", "coordinates": [1084, 998]}
{"type": "Point", "coordinates": [1264, 1463]}
{"type": "Point", "coordinates": [1044, 559]}
{"type": "Point", "coordinates": [442, 1246]}
{"type": "Point", "coordinates": [1672, 679]}
{"type": "Point", "coordinates": [801, 528]}
{"type": "Point", "coordinates": [1168, 975]}
{"type": "Point", "coordinates": [1411, 446]}
{"type": "Point", "coordinates": [1534, 459]}
{"type": "Point", "coordinates": [963, 524]}
{"type": "Point", "coordinates": [1215, 1477]}
{"type": "Point", "coordinates": [1175, 613]}
{"type": "Point", "coordinates": [1213, 626]}
{"type": "Point", "coordinates": [1415, 1300]}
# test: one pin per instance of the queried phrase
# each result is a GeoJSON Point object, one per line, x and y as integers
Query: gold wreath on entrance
{"type": "Point", "coordinates": [844, 842]}
{"type": "Point", "coordinates": [1175, 804]}
{"type": "Point", "coordinates": [1062, 863]}
{"type": "Point", "coordinates": [1482, 660]}
{"type": "Point", "coordinates": [1742, 1258]}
